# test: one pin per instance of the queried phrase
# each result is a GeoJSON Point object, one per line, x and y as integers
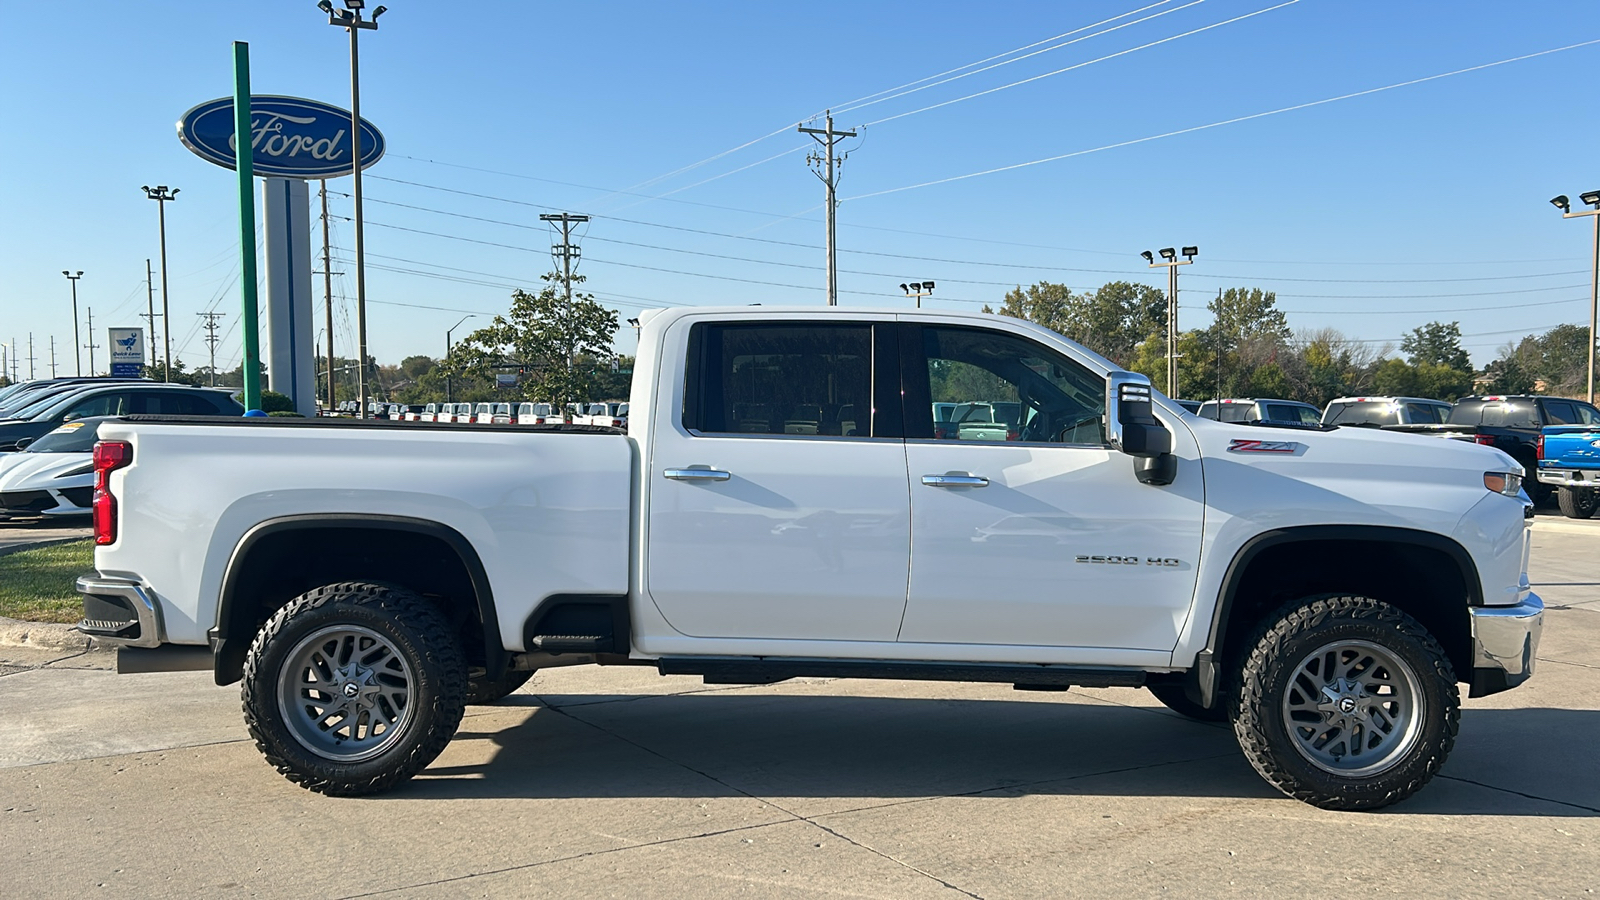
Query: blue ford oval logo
{"type": "Point", "coordinates": [291, 137]}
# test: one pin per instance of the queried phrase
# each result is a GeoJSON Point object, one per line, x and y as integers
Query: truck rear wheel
{"type": "Point", "coordinates": [353, 688]}
{"type": "Point", "coordinates": [1347, 703]}
{"type": "Point", "coordinates": [1579, 503]}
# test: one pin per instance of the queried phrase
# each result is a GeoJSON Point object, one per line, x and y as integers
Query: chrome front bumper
{"type": "Point", "coordinates": [119, 612]}
{"type": "Point", "coordinates": [1504, 641]}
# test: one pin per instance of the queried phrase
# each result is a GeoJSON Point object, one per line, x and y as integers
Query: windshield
{"type": "Point", "coordinates": [38, 406]}
{"type": "Point", "coordinates": [73, 437]}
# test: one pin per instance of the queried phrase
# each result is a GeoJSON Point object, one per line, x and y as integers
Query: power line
{"type": "Point", "coordinates": [1219, 124]}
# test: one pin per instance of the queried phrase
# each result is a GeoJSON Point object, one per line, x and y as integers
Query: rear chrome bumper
{"type": "Point", "coordinates": [1504, 641]}
{"type": "Point", "coordinates": [1570, 477]}
{"type": "Point", "coordinates": [119, 612]}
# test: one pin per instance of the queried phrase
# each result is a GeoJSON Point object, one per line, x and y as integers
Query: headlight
{"type": "Point", "coordinates": [1503, 483]}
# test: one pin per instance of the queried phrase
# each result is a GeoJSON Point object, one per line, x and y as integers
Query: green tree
{"type": "Point", "coordinates": [557, 347]}
{"type": "Point", "coordinates": [180, 374]}
{"type": "Point", "coordinates": [1438, 344]}
{"type": "Point", "coordinates": [1507, 376]}
{"type": "Point", "coordinates": [1111, 321]}
{"type": "Point", "coordinates": [1249, 314]}
{"type": "Point", "coordinates": [1396, 378]}
{"type": "Point", "coordinates": [414, 367]}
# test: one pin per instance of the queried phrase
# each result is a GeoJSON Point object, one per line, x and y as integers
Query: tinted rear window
{"type": "Point", "coordinates": [1495, 413]}
{"type": "Point", "coordinates": [1368, 413]}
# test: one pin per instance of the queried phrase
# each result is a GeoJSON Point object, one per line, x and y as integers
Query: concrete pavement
{"type": "Point", "coordinates": [618, 782]}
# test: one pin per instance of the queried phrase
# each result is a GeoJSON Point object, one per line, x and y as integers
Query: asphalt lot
{"type": "Point", "coordinates": [622, 783]}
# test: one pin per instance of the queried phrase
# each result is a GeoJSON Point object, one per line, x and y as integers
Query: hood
{"type": "Point", "coordinates": [42, 471]}
{"type": "Point", "coordinates": [1346, 446]}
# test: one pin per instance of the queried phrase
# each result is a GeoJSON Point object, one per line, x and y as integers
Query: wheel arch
{"type": "Point", "coordinates": [426, 556]}
{"type": "Point", "coordinates": [1282, 564]}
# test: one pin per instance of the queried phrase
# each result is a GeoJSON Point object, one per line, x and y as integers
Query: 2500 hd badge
{"type": "Point", "coordinates": [1129, 561]}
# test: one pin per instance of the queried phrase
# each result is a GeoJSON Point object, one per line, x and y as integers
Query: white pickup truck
{"type": "Point", "coordinates": [1324, 590]}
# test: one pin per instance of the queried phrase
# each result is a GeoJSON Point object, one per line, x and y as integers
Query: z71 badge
{"type": "Point", "coordinates": [1240, 445]}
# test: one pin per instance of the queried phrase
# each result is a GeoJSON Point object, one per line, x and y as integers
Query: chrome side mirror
{"type": "Point", "coordinates": [1133, 429]}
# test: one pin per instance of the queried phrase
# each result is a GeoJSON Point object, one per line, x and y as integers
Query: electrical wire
{"type": "Point", "coordinates": [1232, 121]}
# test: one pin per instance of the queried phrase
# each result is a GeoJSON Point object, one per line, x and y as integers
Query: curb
{"type": "Point", "coordinates": [42, 636]}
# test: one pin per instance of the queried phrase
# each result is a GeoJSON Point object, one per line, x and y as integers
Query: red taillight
{"type": "Point", "coordinates": [1538, 447]}
{"type": "Point", "coordinates": [109, 456]}
{"type": "Point", "coordinates": [1485, 439]}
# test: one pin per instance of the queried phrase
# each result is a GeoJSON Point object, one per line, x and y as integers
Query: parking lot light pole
{"type": "Point", "coordinates": [1593, 199]}
{"type": "Point", "coordinates": [350, 19]}
{"type": "Point", "coordinates": [161, 195]}
{"type": "Point", "coordinates": [78, 356]}
{"type": "Point", "coordinates": [918, 289]}
{"type": "Point", "coordinates": [1170, 262]}
{"type": "Point", "coordinates": [447, 353]}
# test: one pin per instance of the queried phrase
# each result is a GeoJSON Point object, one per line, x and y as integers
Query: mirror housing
{"type": "Point", "coordinates": [1132, 427]}
{"type": "Point", "coordinates": [22, 443]}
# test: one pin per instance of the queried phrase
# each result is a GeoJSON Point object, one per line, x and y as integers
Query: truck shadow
{"type": "Point", "coordinates": [774, 746]}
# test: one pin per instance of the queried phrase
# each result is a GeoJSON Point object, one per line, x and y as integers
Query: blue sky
{"type": "Point", "coordinates": [1372, 215]}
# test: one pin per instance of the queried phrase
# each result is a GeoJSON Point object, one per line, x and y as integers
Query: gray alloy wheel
{"type": "Point", "coordinates": [1351, 708]}
{"type": "Point", "coordinates": [345, 693]}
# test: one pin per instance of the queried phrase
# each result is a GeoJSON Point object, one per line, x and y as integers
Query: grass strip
{"type": "Point", "coordinates": [37, 585]}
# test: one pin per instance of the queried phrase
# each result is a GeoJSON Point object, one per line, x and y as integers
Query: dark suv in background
{"type": "Point", "coordinates": [116, 399]}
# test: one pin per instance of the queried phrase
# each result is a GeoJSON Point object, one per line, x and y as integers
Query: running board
{"type": "Point", "coordinates": [770, 670]}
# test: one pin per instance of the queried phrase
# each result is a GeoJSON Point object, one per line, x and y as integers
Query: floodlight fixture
{"type": "Point", "coordinates": [1591, 197]}
{"type": "Point", "coordinates": [928, 285]}
{"type": "Point", "coordinates": [1561, 202]}
{"type": "Point", "coordinates": [354, 5]}
{"type": "Point", "coordinates": [906, 288]}
{"type": "Point", "coordinates": [378, 12]}
{"type": "Point", "coordinates": [1191, 252]}
{"type": "Point", "coordinates": [326, 6]}
{"type": "Point", "coordinates": [1168, 254]}
{"type": "Point", "coordinates": [1149, 257]}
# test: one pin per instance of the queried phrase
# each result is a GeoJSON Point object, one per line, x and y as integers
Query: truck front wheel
{"type": "Point", "coordinates": [353, 688]}
{"type": "Point", "coordinates": [1346, 703]}
{"type": "Point", "coordinates": [1579, 503]}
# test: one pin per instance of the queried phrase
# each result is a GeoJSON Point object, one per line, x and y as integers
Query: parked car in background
{"type": "Point", "coordinates": [412, 412]}
{"type": "Point", "coordinates": [1190, 405]}
{"type": "Point", "coordinates": [482, 414]}
{"type": "Point", "coordinates": [15, 397]}
{"type": "Point", "coordinates": [52, 475]}
{"type": "Point", "coordinates": [118, 399]}
{"type": "Point", "coordinates": [1569, 462]}
{"type": "Point", "coordinates": [1511, 423]}
{"type": "Point", "coordinates": [614, 415]}
{"type": "Point", "coordinates": [1261, 412]}
{"type": "Point", "coordinates": [502, 414]}
{"type": "Point", "coordinates": [1382, 412]}
{"type": "Point", "coordinates": [538, 414]}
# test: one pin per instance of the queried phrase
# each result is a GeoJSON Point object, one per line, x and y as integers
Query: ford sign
{"type": "Point", "coordinates": [290, 137]}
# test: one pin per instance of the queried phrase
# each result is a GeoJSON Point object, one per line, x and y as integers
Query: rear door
{"type": "Point", "coordinates": [776, 508]}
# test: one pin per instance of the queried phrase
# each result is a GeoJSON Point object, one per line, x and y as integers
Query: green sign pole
{"type": "Point", "coordinates": [245, 165]}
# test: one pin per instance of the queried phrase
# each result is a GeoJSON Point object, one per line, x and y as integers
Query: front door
{"type": "Point", "coordinates": [778, 505]}
{"type": "Point", "coordinates": [1027, 528]}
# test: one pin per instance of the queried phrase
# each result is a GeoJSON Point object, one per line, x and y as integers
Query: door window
{"type": "Point", "coordinates": [991, 386]}
{"type": "Point", "coordinates": [1561, 412]}
{"type": "Point", "coordinates": [1587, 414]}
{"type": "Point", "coordinates": [107, 404]}
{"type": "Point", "coordinates": [788, 378]}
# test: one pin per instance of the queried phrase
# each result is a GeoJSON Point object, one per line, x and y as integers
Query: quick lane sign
{"type": "Point", "coordinates": [127, 351]}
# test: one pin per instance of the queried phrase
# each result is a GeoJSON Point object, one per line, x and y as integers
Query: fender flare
{"type": "Point", "coordinates": [1205, 663]}
{"type": "Point", "coordinates": [228, 652]}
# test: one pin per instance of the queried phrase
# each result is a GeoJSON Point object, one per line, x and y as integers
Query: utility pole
{"type": "Point", "coordinates": [161, 195]}
{"type": "Point", "coordinates": [827, 137]}
{"type": "Point", "coordinates": [52, 356]}
{"type": "Point", "coordinates": [566, 253]}
{"type": "Point", "coordinates": [150, 308]}
{"type": "Point", "coordinates": [91, 345]}
{"type": "Point", "coordinates": [30, 356]}
{"type": "Point", "coordinates": [327, 290]}
{"type": "Point", "coordinates": [1170, 262]}
{"type": "Point", "coordinates": [211, 340]}
{"type": "Point", "coordinates": [75, 338]}
{"type": "Point", "coordinates": [350, 19]}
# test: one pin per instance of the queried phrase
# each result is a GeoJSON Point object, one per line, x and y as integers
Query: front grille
{"type": "Point", "coordinates": [27, 501]}
{"type": "Point", "coordinates": [82, 497]}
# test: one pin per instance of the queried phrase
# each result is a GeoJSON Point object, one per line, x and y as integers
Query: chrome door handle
{"type": "Point", "coordinates": [693, 474]}
{"type": "Point", "coordinates": [955, 481]}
